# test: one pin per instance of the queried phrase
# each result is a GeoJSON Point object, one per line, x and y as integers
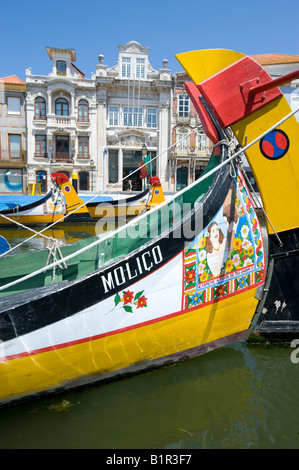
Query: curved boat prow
{"type": "Point", "coordinates": [230, 83]}
{"type": "Point", "coordinates": [244, 97]}
{"type": "Point", "coordinates": [157, 195]}
{"type": "Point", "coordinates": [74, 204]}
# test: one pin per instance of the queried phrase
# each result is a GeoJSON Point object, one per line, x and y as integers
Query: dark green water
{"type": "Point", "coordinates": [241, 397]}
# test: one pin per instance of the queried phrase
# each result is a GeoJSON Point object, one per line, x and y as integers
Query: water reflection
{"type": "Point", "coordinates": [235, 397]}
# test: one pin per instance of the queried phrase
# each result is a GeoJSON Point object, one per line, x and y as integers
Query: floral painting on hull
{"type": "Point", "coordinates": [228, 255]}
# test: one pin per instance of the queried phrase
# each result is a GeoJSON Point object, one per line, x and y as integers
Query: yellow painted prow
{"type": "Point", "coordinates": [215, 72]}
{"type": "Point", "coordinates": [74, 204]}
{"type": "Point", "coordinates": [157, 195]}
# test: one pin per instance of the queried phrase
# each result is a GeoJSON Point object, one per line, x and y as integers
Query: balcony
{"type": "Point", "coordinates": [62, 121]}
{"type": "Point", "coordinates": [41, 155]}
{"type": "Point", "coordinates": [62, 157]}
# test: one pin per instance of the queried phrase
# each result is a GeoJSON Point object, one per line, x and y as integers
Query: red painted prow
{"type": "Point", "coordinates": [240, 89]}
{"type": "Point", "coordinates": [154, 181]}
{"type": "Point", "coordinates": [207, 124]}
{"type": "Point", "coordinates": [59, 178]}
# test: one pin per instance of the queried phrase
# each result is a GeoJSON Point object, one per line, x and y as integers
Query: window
{"type": "Point", "coordinates": [140, 68]}
{"type": "Point", "coordinates": [151, 117]}
{"type": "Point", "coordinates": [61, 107]}
{"type": "Point", "coordinates": [202, 142]}
{"type": "Point", "coordinates": [113, 166]}
{"type": "Point", "coordinates": [83, 146]}
{"type": "Point", "coordinates": [132, 117]}
{"type": "Point", "coordinates": [113, 115]}
{"type": "Point", "coordinates": [183, 108]}
{"type": "Point", "coordinates": [83, 181]}
{"type": "Point", "coordinates": [126, 67]}
{"type": "Point", "coordinates": [182, 140]}
{"type": "Point", "coordinates": [40, 146]}
{"type": "Point", "coordinates": [83, 111]}
{"type": "Point", "coordinates": [13, 105]}
{"type": "Point", "coordinates": [14, 145]}
{"type": "Point", "coordinates": [39, 108]}
{"type": "Point", "coordinates": [61, 67]}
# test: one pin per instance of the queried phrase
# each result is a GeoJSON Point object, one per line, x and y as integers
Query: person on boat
{"type": "Point", "coordinates": [129, 185]}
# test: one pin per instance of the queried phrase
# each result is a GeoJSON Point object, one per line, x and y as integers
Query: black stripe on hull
{"type": "Point", "coordinates": [116, 202]}
{"type": "Point", "coordinates": [29, 311]}
{"type": "Point", "coordinates": [280, 312]}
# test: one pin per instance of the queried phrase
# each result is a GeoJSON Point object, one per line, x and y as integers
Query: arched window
{"type": "Point", "coordinates": [83, 111]}
{"type": "Point", "coordinates": [182, 140]}
{"type": "Point", "coordinates": [61, 107]}
{"type": "Point", "coordinates": [39, 108]}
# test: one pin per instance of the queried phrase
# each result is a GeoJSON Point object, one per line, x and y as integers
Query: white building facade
{"type": "Point", "coordinates": [97, 129]}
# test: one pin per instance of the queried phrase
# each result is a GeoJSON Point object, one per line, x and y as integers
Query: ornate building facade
{"type": "Point", "coordinates": [98, 128]}
{"type": "Point", "coordinates": [191, 149]}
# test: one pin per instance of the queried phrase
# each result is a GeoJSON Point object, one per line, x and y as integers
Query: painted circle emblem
{"type": "Point", "coordinates": [67, 189]}
{"type": "Point", "coordinates": [157, 191]}
{"type": "Point", "coordinates": [275, 144]}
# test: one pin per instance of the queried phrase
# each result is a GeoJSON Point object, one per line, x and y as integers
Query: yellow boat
{"type": "Point", "coordinates": [179, 280]}
{"type": "Point", "coordinates": [247, 100]}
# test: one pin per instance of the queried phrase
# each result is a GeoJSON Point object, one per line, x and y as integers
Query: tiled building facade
{"type": "Point", "coordinates": [12, 135]}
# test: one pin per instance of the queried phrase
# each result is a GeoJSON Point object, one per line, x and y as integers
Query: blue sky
{"type": "Point", "coordinates": [97, 27]}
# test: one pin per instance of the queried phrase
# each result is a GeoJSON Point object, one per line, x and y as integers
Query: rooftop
{"type": "Point", "coordinates": [12, 80]}
{"type": "Point", "coordinates": [275, 59]}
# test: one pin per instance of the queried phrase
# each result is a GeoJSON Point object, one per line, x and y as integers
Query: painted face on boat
{"type": "Point", "coordinates": [214, 234]}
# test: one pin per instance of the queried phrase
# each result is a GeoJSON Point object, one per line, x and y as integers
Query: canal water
{"type": "Point", "coordinates": [238, 397]}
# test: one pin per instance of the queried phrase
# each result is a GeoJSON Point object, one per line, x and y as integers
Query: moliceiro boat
{"type": "Point", "coordinates": [62, 204]}
{"type": "Point", "coordinates": [179, 280]}
{"type": "Point", "coordinates": [168, 285]}
{"type": "Point", "coordinates": [247, 100]}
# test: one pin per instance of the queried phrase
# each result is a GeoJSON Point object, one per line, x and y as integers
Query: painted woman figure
{"type": "Point", "coordinates": [218, 245]}
{"type": "Point", "coordinates": [217, 248]}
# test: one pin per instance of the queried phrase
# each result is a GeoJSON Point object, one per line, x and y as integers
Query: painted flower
{"type": "Point", "coordinates": [237, 244]}
{"type": "Point", "coordinates": [204, 277]}
{"type": "Point", "coordinates": [243, 282]}
{"type": "Point", "coordinates": [236, 260]}
{"type": "Point", "coordinates": [202, 255]}
{"type": "Point", "coordinates": [229, 265]}
{"type": "Point", "coordinates": [201, 268]}
{"type": "Point", "coordinates": [250, 251]}
{"type": "Point", "coordinates": [128, 297]}
{"type": "Point", "coordinates": [190, 275]}
{"type": "Point", "coordinates": [246, 244]}
{"type": "Point", "coordinates": [141, 302]}
{"type": "Point", "coordinates": [244, 231]}
{"type": "Point", "coordinates": [220, 290]}
{"type": "Point", "coordinates": [195, 299]}
{"type": "Point", "coordinates": [247, 262]}
{"type": "Point", "coordinates": [202, 243]}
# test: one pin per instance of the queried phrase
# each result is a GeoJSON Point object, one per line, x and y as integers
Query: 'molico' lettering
{"type": "Point", "coordinates": [137, 266]}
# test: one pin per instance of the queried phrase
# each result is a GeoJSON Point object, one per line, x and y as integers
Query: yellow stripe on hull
{"type": "Point", "coordinates": [66, 365]}
{"type": "Point", "coordinates": [97, 212]}
{"type": "Point", "coordinates": [31, 219]}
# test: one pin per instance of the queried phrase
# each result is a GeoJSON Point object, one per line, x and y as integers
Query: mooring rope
{"type": "Point", "coordinates": [154, 209]}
